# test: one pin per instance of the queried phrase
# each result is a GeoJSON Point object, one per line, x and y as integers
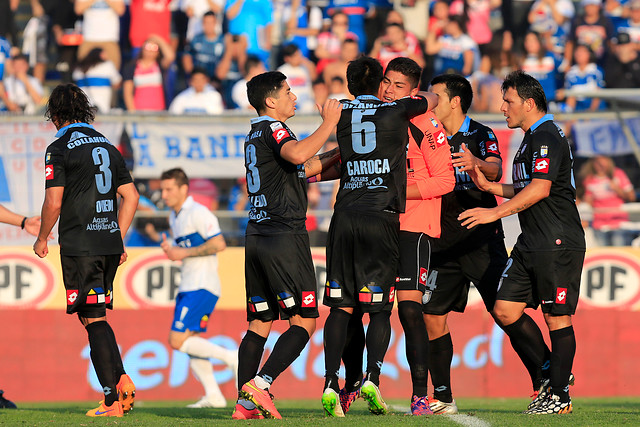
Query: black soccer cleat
{"type": "Point", "coordinates": [4, 403]}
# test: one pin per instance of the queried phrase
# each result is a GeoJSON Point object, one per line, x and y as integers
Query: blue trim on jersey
{"type": "Point", "coordinates": [190, 240]}
{"type": "Point", "coordinates": [465, 124]}
{"type": "Point", "coordinates": [193, 310]}
{"type": "Point", "coordinates": [543, 119]}
{"type": "Point", "coordinates": [262, 118]}
{"type": "Point", "coordinates": [94, 82]}
{"type": "Point", "coordinates": [366, 97]}
{"type": "Point", "coordinates": [64, 130]}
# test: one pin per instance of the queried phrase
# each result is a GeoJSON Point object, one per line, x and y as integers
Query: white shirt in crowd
{"type": "Point", "coordinates": [208, 101]}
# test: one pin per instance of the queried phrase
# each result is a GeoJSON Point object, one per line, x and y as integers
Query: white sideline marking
{"type": "Point", "coordinates": [462, 419]}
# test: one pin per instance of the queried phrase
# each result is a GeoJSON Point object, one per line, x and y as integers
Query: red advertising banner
{"type": "Point", "coordinates": [43, 349]}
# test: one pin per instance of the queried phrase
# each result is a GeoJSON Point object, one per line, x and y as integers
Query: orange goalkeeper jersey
{"type": "Point", "coordinates": [429, 167]}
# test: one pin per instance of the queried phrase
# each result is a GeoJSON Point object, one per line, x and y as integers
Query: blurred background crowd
{"type": "Point", "coordinates": [195, 57]}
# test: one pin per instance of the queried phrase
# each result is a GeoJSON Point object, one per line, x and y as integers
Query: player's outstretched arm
{"type": "Point", "coordinates": [298, 152]}
{"type": "Point", "coordinates": [210, 247]}
{"type": "Point", "coordinates": [50, 213]}
{"type": "Point", "coordinates": [466, 161]}
{"type": "Point", "coordinates": [495, 188]}
{"type": "Point", "coordinates": [432, 99]}
{"type": "Point", "coordinates": [537, 190]}
{"type": "Point", "coordinates": [323, 167]}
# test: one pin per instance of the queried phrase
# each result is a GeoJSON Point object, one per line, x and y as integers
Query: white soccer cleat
{"type": "Point", "coordinates": [209, 402]}
{"type": "Point", "coordinates": [443, 408]}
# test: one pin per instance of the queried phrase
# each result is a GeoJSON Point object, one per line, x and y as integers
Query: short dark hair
{"type": "Point", "coordinates": [364, 76]}
{"type": "Point", "coordinates": [407, 67]}
{"type": "Point", "coordinates": [394, 24]}
{"type": "Point", "coordinates": [69, 104]}
{"type": "Point", "coordinates": [456, 85]}
{"type": "Point", "coordinates": [209, 13]}
{"type": "Point", "coordinates": [263, 86]}
{"type": "Point", "coordinates": [289, 50]}
{"type": "Point", "coordinates": [178, 174]}
{"type": "Point", "coordinates": [527, 87]}
{"type": "Point", "coordinates": [251, 62]}
{"type": "Point", "coordinates": [199, 70]}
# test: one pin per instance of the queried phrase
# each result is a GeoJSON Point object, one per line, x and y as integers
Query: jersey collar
{"type": "Point", "coordinates": [64, 130]}
{"type": "Point", "coordinates": [543, 119]}
{"type": "Point", "coordinates": [262, 118]}
{"type": "Point", "coordinates": [187, 204]}
{"type": "Point", "coordinates": [464, 127]}
{"type": "Point", "coordinates": [367, 97]}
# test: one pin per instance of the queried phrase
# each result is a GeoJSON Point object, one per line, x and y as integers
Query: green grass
{"type": "Point", "coordinates": [496, 412]}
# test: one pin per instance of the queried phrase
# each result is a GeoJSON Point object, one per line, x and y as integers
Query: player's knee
{"type": "Point", "coordinates": [504, 315]}
{"type": "Point", "coordinates": [176, 340]}
{"type": "Point", "coordinates": [436, 325]}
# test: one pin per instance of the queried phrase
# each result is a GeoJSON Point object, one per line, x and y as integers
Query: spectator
{"type": "Point", "coordinates": [592, 29]}
{"type": "Point", "coordinates": [196, 10]}
{"type": "Point", "coordinates": [5, 56]}
{"type": "Point", "coordinates": [302, 25]}
{"type": "Point", "coordinates": [67, 34]}
{"type": "Point", "coordinates": [23, 90]}
{"type": "Point", "coordinates": [143, 88]}
{"type": "Point", "coordinates": [584, 75]}
{"type": "Point", "coordinates": [393, 44]}
{"type": "Point", "coordinates": [34, 41]}
{"type": "Point", "coordinates": [415, 15]}
{"type": "Point", "coordinates": [455, 51]}
{"type": "Point", "coordinates": [631, 25]}
{"type": "Point", "coordinates": [540, 64]}
{"type": "Point", "coordinates": [8, 28]}
{"type": "Point", "coordinates": [199, 98]}
{"type": "Point", "coordinates": [349, 52]}
{"type": "Point", "coordinates": [252, 20]}
{"type": "Point", "coordinates": [253, 67]}
{"type": "Point", "coordinates": [439, 18]}
{"type": "Point", "coordinates": [330, 42]}
{"type": "Point", "coordinates": [149, 17]}
{"type": "Point", "coordinates": [205, 192]}
{"type": "Point", "coordinates": [300, 74]}
{"type": "Point", "coordinates": [338, 89]}
{"type": "Point", "coordinates": [547, 15]}
{"type": "Point", "coordinates": [394, 17]}
{"type": "Point", "coordinates": [622, 69]}
{"type": "Point", "coordinates": [320, 91]}
{"type": "Point", "coordinates": [101, 27]}
{"type": "Point", "coordinates": [606, 189]}
{"type": "Point", "coordinates": [477, 14]}
{"type": "Point", "coordinates": [487, 94]}
{"type": "Point", "coordinates": [355, 10]}
{"type": "Point", "coordinates": [98, 78]}
{"type": "Point", "coordinates": [206, 49]}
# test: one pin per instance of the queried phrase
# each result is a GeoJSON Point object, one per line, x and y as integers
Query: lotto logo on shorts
{"type": "Point", "coordinates": [333, 289]}
{"type": "Point", "coordinates": [423, 276]}
{"type": "Point", "coordinates": [72, 296]}
{"type": "Point", "coordinates": [48, 172]}
{"type": "Point", "coordinates": [257, 304]}
{"type": "Point", "coordinates": [308, 299]}
{"type": "Point", "coordinates": [370, 294]}
{"type": "Point", "coordinates": [204, 321]}
{"type": "Point", "coordinates": [285, 300]}
{"type": "Point", "coordinates": [280, 134]}
{"type": "Point", "coordinates": [542, 165]}
{"type": "Point", "coordinates": [96, 296]}
{"type": "Point", "coordinates": [392, 294]}
{"type": "Point", "coordinates": [561, 296]}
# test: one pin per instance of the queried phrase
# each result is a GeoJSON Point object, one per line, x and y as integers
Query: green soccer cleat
{"type": "Point", "coordinates": [371, 393]}
{"type": "Point", "coordinates": [331, 403]}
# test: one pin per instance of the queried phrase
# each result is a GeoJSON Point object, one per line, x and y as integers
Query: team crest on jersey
{"type": "Point", "coordinates": [370, 294]}
{"type": "Point", "coordinates": [308, 298]}
{"type": "Point", "coordinates": [285, 300]}
{"type": "Point", "coordinates": [97, 296]}
{"type": "Point", "coordinates": [257, 304]}
{"type": "Point", "coordinates": [48, 172]}
{"type": "Point", "coordinates": [333, 289]}
{"type": "Point", "coordinates": [491, 135]}
{"type": "Point", "coordinates": [561, 295]}
{"type": "Point", "coordinates": [542, 165]}
{"type": "Point", "coordinates": [544, 151]}
{"type": "Point", "coordinates": [47, 158]}
{"type": "Point", "coordinates": [280, 134]}
{"type": "Point", "coordinates": [434, 122]}
{"type": "Point", "coordinates": [275, 126]}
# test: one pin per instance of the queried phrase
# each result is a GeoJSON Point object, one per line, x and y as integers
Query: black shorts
{"type": "Point", "coordinates": [453, 271]}
{"type": "Point", "coordinates": [88, 281]}
{"type": "Point", "coordinates": [362, 261]}
{"type": "Point", "coordinates": [280, 280]}
{"type": "Point", "coordinates": [415, 256]}
{"type": "Point", "coordinates": [550, 278]}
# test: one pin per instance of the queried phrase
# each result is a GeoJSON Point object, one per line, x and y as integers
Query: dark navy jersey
{"type": "Point", "coordinates": [277, 188]}
{"type": "Point", "coordinates": [483, 144]}
{"type": "Point", "coordinates": [553, 222]}
{"type": "Point", "coordinates": [373, 137]}
{"type": "Point", "coordinates": [90, 169]}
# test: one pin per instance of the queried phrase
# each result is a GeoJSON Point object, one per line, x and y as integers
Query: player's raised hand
{"type": "Point", "coordinates": [331, 111]}
{"type": "Point", "coordinates": [174, 253]}
{"type": "Point", "coordinates": [478, 178]}
{"type": "Point", "coordinates": [464, 159]}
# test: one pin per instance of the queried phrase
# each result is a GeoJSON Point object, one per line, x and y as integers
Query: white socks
{"type": "Point", "coordinates": [203, 371]}
{"type": "Point", "coordinates": [200, 347]}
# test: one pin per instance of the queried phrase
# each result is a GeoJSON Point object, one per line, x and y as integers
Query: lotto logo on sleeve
{"type": "Point", "coordinates": [308, 299]}
{"type": "Point", "coordinates": [280, 134]}
{"type": "Point", "coordinates": [561, 295]}
{"type": "Point", "coordinates": [493, 148]}
{"type": "Point", "coordinates": [542, 165]}
{"type": "Point", "coordinates": [72, 296]}
{"type": "Point", "coordinates": [48, 172]}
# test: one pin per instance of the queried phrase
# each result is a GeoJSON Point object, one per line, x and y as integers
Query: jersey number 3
{"type": "Point", "coordinates": [253, 175]}
{"type": "Point", "coordinates": [363, 134]}
{"type": "Point", "coordinates": [103, 179]}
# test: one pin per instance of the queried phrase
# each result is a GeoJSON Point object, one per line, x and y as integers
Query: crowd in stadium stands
{"type": "Point", "coordinates": [195, 56]}
{"type": "Point", "coordinates": [147, 50]}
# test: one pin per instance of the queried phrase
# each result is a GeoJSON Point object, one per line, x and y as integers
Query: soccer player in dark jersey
{"type": "Point", "coordinates": [280, 279]}
{"type": "Point", "coordinates": [461, 256]}
{"type": "Point", "coordinates": [362, 247]}
{"type": "Point", "coordinates": [84, 175]}
{"type": "Point", "coordinates": [545, 265]}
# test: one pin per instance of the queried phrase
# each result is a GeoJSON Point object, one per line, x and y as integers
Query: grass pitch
{"type": "Point", "coordinates": [475, 412]}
